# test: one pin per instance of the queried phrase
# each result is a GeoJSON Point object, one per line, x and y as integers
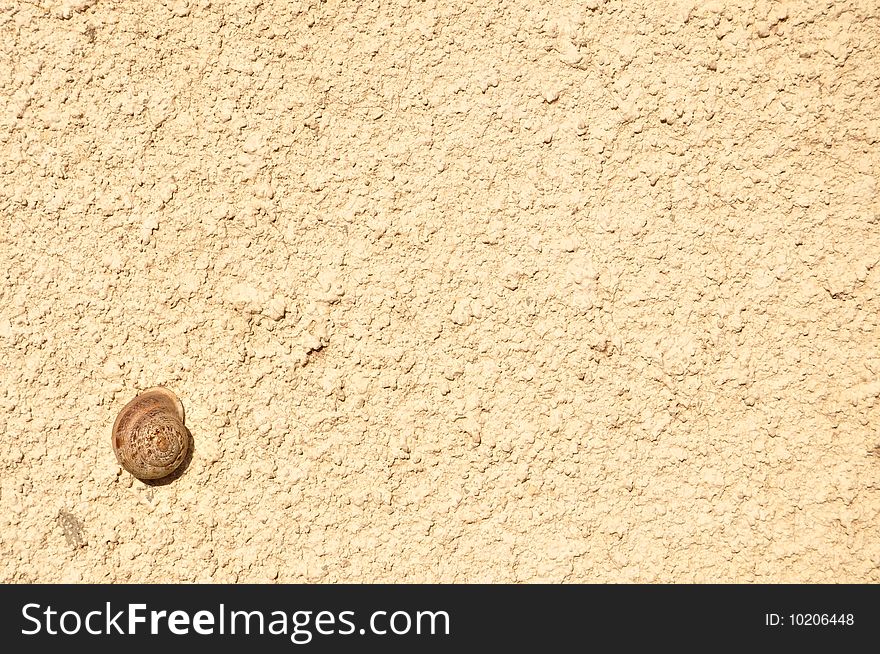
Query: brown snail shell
{"type": "Point", "coordinates": [149, 438]}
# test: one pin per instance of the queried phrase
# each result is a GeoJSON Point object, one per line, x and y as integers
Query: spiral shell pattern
{"type": "Point", "coordinates": [149, 438]}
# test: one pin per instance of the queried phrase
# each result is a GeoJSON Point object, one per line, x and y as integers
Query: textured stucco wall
{"type": "Point", "coordinates": [451, 291]}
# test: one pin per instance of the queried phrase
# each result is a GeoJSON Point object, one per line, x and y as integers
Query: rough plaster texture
{"type": "Point", "coordinates": [451, 291]}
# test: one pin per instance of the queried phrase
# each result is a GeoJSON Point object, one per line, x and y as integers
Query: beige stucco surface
{"type": "Point", "coordinates": [451, 291]}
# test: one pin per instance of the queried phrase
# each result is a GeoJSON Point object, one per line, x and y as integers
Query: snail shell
{"type": "Point", "coordinates": [149, 438]}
